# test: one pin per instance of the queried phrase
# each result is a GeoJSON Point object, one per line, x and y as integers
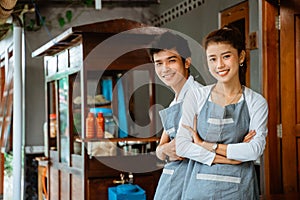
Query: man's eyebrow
{"type": "Point", "coordinates": [168, 58]}
{"type": "Point", "coordinates": [172, 57]}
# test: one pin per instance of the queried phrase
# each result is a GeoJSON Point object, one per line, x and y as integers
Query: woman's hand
{"type": "Point", "coordinates": [249, 136]}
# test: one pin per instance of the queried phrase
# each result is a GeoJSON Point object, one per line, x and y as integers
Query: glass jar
{"type": "Point", "coordinates": [110, 124]}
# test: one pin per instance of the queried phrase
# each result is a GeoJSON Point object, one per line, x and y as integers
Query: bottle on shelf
{"type": "Point", "coordinates": [90, 126]}
{"type": "Point", "coordinates": [52, 131]}
{"type": "Point", "coordinates": [100, 125]}
{"type": "Point", "coordinates": [53, 125]}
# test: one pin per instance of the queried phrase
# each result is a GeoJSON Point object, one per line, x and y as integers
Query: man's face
{"type": "Point", "coordinates": [170, 68]}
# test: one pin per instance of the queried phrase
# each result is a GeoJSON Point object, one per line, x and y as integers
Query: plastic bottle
{"type": "Point", "coordinates": [52, 132]}
{"type": "Point", "coordinates": [90, 126]}
{"type": "Point", "coordinates": [53, 125]}
{"type": "Point", "coordinates": [100, 125]}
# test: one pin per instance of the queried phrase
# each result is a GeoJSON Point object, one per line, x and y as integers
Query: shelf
{"type": "Point", "coordinates": [140, 163]}
{"type": "Point", "coordinates": [76, 78]}
{"type": "Point", "coordinates": [124, 140]}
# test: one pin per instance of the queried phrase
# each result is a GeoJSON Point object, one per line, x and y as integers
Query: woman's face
{"type": "Point", "coordinates": [223, 61]}
{"type": "Point", "coordinates": [170, 69]}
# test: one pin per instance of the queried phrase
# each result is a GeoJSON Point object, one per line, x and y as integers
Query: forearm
{"type": "Point", "coordinates": [222, 150]}
{"type": "Point", "coordinates": [219, 159]}
{"type": "Point", "coordinates": [186, 148]}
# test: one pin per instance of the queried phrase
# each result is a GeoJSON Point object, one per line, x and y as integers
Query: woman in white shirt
{"type": "Point", "coordinates": [221, 165]}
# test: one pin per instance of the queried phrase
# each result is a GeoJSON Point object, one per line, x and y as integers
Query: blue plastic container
{"type": "Point", "coordinates": [105, 111]}
{"type": "Point", "coordinates": [126, 192]}
{"type": "Point", "coordinates": [110, 124]}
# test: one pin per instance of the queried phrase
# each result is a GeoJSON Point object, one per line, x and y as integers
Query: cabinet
{"type": "Point", "coordinates": [101, 67]}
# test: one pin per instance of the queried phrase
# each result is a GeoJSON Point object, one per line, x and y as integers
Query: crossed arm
{"type": "Point", "coordinates": [168, 148]}
{"type": "Point", "coordinates": [221, 151]}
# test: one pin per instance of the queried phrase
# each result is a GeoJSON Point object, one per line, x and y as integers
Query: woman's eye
{"type": "Point", "coordinates": [226, 56]}
{"type": "Point", "coordinates": [212, 60]}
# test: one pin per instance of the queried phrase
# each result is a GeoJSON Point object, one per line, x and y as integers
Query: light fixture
{"type": "Point", "coordinates": [98, 4]}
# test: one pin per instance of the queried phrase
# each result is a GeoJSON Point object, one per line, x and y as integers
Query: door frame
{"type": "Point", "coordinates": [272, 171]}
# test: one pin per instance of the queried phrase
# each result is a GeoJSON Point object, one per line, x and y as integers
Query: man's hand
{"type": "Point", "coordinates": [170, 151]}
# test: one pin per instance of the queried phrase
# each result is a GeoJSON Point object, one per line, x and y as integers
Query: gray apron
{"type": "Point", "coordinates": [172, 178]}
{"type": "Point", "coordinates": [224, 125]}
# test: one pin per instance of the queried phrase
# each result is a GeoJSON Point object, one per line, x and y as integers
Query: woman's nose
{"type": "Point", "coordinates": [220, 63]}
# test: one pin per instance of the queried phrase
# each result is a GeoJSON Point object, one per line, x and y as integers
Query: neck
{"type": "Point", "coordinates": [225, 94]}
{"type": "Point", "coordinates": [178, 87]}
{"type": "Point", "coordinates": [228, 89]}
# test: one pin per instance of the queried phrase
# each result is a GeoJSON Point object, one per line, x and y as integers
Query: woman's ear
{"type": "Point", "coordinates": [242, 56]}
{"type": "Point", "coordinates": [188, 62]}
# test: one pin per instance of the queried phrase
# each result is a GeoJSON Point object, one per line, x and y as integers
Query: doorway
{"type": "Point", "coordinates": [238, 16]}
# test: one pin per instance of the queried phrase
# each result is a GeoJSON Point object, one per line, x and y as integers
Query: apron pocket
{"type": "Point", "coordinates": [168, 171]}
{"type": "Point", "coordinates": [227, 186]}
{"type": "Point", "coordinates": [221, 178]}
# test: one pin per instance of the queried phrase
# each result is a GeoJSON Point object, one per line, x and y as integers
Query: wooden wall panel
{"type": "Point", "coordinates": [76, 187]}
{"type": "Point", "coordinates": [64, 185]}
{"type": "Point", "coordinates": [54, 184]}
{"type": "Point", "coordinates": [297, 61]}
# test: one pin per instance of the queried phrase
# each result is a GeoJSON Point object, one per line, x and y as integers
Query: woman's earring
{"type": "Point", "coordinates": [241, 64]}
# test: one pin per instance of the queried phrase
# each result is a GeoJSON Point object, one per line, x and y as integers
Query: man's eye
{"type": "Point", "coordinates": [212, 59]}
{"type": "Point", "coordinates": [158, 64]}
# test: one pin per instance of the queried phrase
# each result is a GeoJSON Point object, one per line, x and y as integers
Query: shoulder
{"type": "Point", "coordinates": [254, 99]}
{"type": "Point", "coordinates": [199, 91]}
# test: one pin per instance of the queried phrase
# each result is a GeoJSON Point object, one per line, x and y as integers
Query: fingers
{"type": "Point", "coordinates": [188, 128]}
{"type": "Point", "coordinates": [249, 136]}
{"type": "Point", "coordinates": [195, 122]}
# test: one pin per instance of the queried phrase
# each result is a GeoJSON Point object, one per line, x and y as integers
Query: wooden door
{"type": "Point", "coordinates": [290, 93]}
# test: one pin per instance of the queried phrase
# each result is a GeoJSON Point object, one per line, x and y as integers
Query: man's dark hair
{"type": "Point", "coordinates": [168, 41]}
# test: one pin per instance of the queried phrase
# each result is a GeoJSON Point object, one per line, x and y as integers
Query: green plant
{"type": "Point", "coordinates": [68, 16]}
{"type": "Point", "coordinates": [88, 2]}
{"type": "Point", "coordinates": [34, 25]}
{"type": "Point", "coordinates": [8, 162]}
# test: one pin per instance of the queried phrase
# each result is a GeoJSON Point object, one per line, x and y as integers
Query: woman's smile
{"type": "Point", "coordinates": [223, 72]}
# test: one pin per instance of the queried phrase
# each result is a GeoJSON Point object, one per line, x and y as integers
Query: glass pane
{"type": "Point", "coordinates": [63, 119]}
{"type": "Point", "coordinates": [75, 114]}
{"type": "Point", "coordinates": [52, 96]}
